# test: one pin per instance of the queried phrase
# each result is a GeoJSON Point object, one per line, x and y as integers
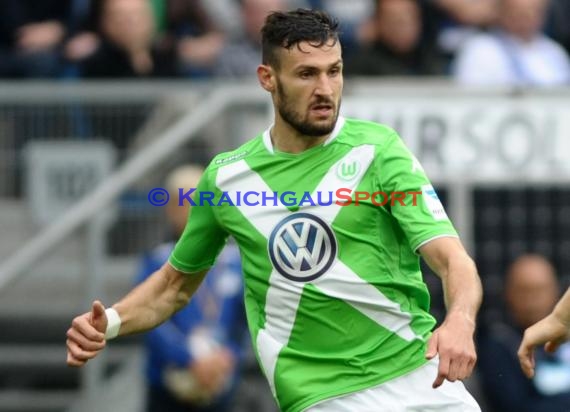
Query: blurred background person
{"type": "Point", "coordinates": [193, 359]}
{"type": "Point", "coordinates": [397, 48]}
{"type": "Point", "coordinates": [531, 292]}
{"type": "Point", "coordinates": [83, 38]}
{"type": "Point", "coordinates": [452, 22]}
{"type": "Point", "coordinates": [515, 52]}
{"type": "Point", "coordinates": [225, 14]}
{"type": "Point", "coordinates": [469, 12]}
{"type": "Point", "coordinates": [124, 44]}
{"type": "Point", "coordinates": [198, 38]}
{"type": "Point", "coordinates": [357, 27]}
{"type": "Point", "coordinates": [242, 54]}
{"type": "Point", "coordinates": [31, 36]}
{"type": "Point", "coordinates": [558, 26]}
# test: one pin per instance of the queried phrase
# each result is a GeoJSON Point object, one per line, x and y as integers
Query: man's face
{"type": "Point", "coordinates": [531, 292]}
{"type": "Point", "coordinates": [399, 24]}
{"type": "Point", "coordinates": [308, 87]}
{"type": "Point", "coordinates": [523, 18]}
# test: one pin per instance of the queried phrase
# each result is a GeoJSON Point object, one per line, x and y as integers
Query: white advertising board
{"type": "Point", "coordinates": [477, 138]}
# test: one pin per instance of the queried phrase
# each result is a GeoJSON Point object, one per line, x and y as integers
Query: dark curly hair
{"type": "Point", "coordinates": [288, 29]}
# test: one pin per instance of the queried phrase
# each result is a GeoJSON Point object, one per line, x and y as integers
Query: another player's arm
{"type": "Point", "coordinates": [552, 331]}
{"type": "Point", "coordinates": [148, 305]}
{"type": "Point", "coordinates": [453, 341]}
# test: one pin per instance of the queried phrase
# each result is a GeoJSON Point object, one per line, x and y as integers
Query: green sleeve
{"type": "Point", "coordinates": [421, 214]}
{"type": "Point", "coordinates": [203, 238]}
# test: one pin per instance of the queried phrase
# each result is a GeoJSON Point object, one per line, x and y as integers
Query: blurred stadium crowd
{"type": "Point", "coordinates": [477, 42]}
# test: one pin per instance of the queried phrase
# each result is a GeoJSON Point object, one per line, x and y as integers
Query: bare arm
{"type": "Point", "coordinates": [145, 307]}
{"type": "Point", "coordinates": [152, 302]}
{"type": "Point", "coordinates": [461, 283]}
{"type": "Point", "coordinates": [453, 340]}
{"type": "Point", "coordinates": [552, 331]}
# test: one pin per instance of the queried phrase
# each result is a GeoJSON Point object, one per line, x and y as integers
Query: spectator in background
{"type": "Point", "coordinates": [531, 292]}
{"type": "Point", "coordinates": [125, 45]}
{"type": "Point", "coordinates": [84, 36]}
{"type": "Point", "coordinates": [83, 39]}
{"type": "Point", "coordinates": [222, 13]}
{"type": "Point", "coordinates": [242, 55]}
{"type": "Point", "coordinates": [198, 40]}
{"type": "Point", "coordinates": [397, 49]}
{"type": "Point", "coordinates": [451, 22]}
{"type": "Point", "coordinates": [559, 22]}
{"type": "Point", "coordinates": [516, 52]}
{"type": "Point", "coordinates": [356, 23]}
{"type": "Point", "coordinates": [31, 36]}
{"type": "Point", "coordinates": [193, 358]}
{"type": "Point", "coordinates": [469, 12]}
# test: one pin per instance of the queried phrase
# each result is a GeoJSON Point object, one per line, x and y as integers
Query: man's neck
{"type": "Point", "coordinates": [287, 139]}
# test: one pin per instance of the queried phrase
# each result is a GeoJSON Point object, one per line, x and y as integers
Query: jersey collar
{"type": "Point", "coordinates": [336, 131]}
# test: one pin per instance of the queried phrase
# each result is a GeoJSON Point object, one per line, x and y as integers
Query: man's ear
{"type": "Point", "coordinates": [266, 77]}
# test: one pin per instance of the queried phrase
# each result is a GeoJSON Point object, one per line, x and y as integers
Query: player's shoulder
{"type": "Point", "coordinates": [249, 148]}
{"type": "Point", "coordinates": [357, 132]}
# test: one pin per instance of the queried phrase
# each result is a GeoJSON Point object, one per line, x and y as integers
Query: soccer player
{"type": "Point", "coordinates": [552, 331]}
{"type": "Point", "coordinates": [335, 301]}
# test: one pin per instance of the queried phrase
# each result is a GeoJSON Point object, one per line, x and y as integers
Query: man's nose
{"type": "Point", "coordinates": [324, 87]}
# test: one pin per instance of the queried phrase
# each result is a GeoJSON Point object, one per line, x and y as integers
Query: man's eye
{"type": "Point", "coordinates": [305, 75]}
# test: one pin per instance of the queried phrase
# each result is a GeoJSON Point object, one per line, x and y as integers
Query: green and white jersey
{"type": "Point", "coordinates": [334, 294]}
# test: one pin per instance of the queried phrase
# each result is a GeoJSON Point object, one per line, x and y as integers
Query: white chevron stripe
{"type": "Point", "coordinates": [282, 300]}
{"type": "Point", "coordinates": [283, 295]}
{"type": "Point", "coordinates": [238, 177]}
{"type": "Point", "coordinates": [342, 283]}
{"type": "Point", "coordinates": [281, 306]}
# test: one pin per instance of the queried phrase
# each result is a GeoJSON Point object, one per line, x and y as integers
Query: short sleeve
{"type": "Point", "coordinates": [414, 202]}
{"type": "Point", "coordinates": [203, 238]}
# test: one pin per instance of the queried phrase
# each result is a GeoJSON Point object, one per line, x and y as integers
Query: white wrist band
{"type": "Point", "coordinates": [113, 323]}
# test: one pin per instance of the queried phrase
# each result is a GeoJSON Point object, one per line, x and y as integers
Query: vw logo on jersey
{"type": "Point", "coordinates": [302, 247]}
